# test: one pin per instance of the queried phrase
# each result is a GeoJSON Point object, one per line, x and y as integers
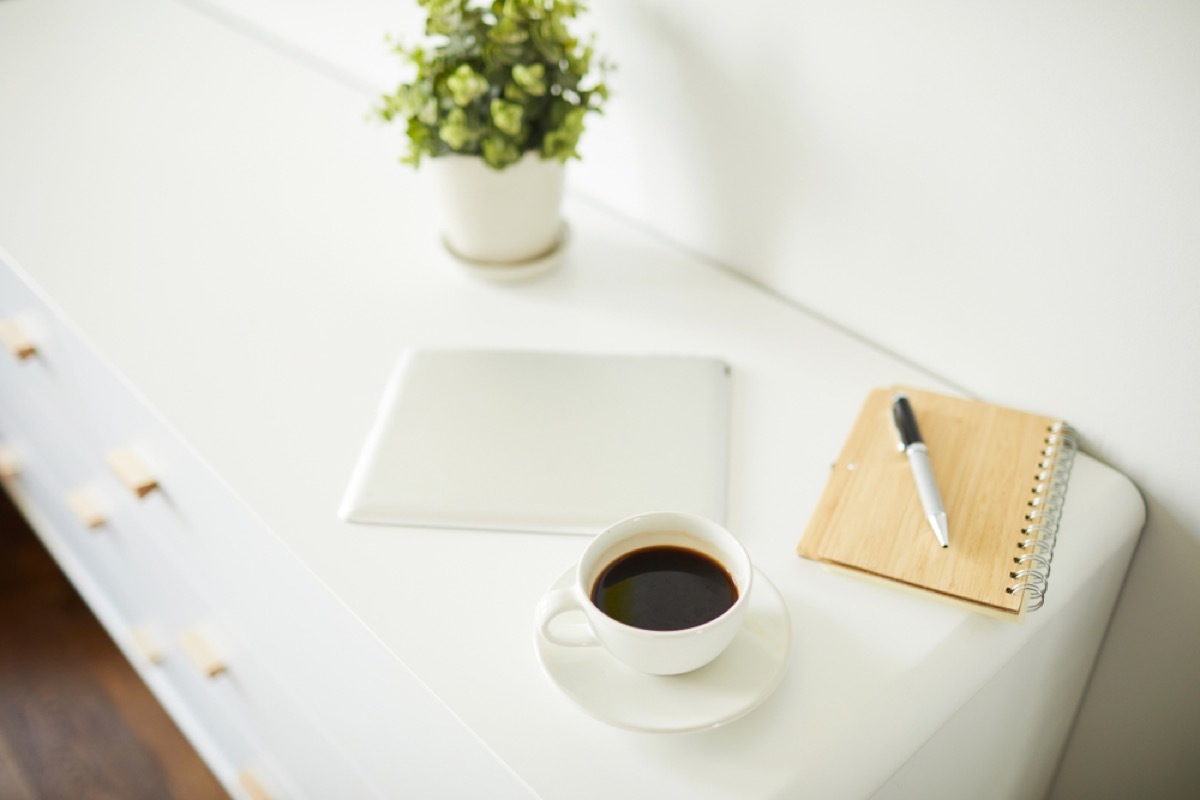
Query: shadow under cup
{"type": "Point", "coordinates": [629, 552]}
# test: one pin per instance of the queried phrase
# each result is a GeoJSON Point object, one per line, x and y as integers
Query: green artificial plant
{"type": "Point", "coordinates": [497, 80]}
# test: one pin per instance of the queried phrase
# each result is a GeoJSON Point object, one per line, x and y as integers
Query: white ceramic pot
{"type": "Point", "coordinates": [502, 217]}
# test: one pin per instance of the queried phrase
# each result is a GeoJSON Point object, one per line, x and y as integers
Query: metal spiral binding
{"type": "Point", "coordinates": [1032, 571]}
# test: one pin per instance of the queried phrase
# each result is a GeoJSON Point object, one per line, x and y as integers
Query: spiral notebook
{"type": "Point", "coordinates": [1003, 477]}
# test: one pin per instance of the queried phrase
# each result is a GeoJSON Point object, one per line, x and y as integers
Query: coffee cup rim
{"type": "Point", "coordinates": [744, 576]}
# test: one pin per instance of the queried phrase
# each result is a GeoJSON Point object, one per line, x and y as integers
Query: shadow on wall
{"type": "Point", "coordinates": [1142, 707]}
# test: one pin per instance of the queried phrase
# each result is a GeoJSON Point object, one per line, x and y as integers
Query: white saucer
{"type": "Point", "coordinates": [514, 271]}
{"type": "Point", "coordinates": [734, 684]}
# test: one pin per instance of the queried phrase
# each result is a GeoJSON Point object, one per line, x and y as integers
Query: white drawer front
{"type": "Point", "coordinates": [98, 551]}
{"type": "Point", "coordinates": [181, 558]}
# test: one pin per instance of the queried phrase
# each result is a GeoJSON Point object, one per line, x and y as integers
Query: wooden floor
{"type": "Point", "coordinates": [75, 719]}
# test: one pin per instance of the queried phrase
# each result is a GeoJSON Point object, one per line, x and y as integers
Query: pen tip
{"type": "Point", "coordinates": [940, 528]}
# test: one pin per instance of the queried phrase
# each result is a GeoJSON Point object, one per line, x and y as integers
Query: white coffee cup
{"type": "Point", "coordinates": [659, 652]}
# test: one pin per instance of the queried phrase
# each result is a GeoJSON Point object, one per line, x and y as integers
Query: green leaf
{"type": "Point", "coordinates": [497, 78]}
{"type": "Point", "coordinates": [498, 152]}
{"type": "Point", "coordinates": [508, 31]}
{"type": "Point", "coordinates": [531, 78]}
{"type": "Point", "coordinates": [456, 131]}
{"type": "Point", "coordinates": [466, 85]}
{"type": "Point", "coordinates": [507, 117]}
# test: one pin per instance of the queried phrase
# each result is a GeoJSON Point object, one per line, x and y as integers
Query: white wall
{"type": "Point", "coordinates": [1006, 193]}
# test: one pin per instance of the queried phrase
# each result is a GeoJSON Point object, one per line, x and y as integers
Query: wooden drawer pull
{"type": "Point", "coordinates": [16, 341]}
{"type": "Point", "coordinates": [252, 786]}
{"type": "Point", "coordinates": [202, 654]}
{"type": "Point", "coordinates": [10, 465]}
{"type": "Point", "coordinates": [132, 472]}
{"type": "Point", "coordinates": [147, 644]}
{"type": "Point", "coordinates": [86, 507]}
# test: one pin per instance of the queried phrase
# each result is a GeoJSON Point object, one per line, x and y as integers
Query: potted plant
{"type": "Point", "coordinates": [497, 104]}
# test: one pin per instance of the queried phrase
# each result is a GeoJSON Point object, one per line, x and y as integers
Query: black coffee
{"type": "Point", "coordinates": [664, 588]}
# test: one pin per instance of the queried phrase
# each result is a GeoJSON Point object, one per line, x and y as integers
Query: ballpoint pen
{"type": "Point", "coordinates": [918, 458]}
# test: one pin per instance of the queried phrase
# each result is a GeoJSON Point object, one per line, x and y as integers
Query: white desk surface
{"type": "Point", "coordinates": [223, 226]}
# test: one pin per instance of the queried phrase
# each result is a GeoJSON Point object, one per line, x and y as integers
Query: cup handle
{"type": "Point", "coordinates": [551, 606]}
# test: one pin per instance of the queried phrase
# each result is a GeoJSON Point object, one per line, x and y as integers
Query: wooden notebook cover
{"type": "Point", "coordinates": [985, 459]}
